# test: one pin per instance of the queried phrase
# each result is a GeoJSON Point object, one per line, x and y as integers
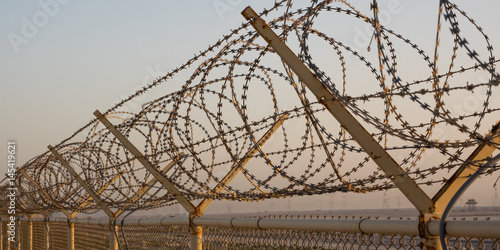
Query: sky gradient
{"type": "Point", "coordinates": [61, 60]}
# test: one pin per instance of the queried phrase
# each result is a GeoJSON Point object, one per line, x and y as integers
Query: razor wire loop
{"type": "Point", "coordinates": [237, 89]}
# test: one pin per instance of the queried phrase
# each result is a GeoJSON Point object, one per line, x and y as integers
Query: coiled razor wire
{"type": "Point", "coordinates": [226, 97]}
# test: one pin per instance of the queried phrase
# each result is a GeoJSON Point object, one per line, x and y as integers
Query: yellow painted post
{"type": "Point", "coordinates": [71, 235]}
{"type": "Point", "coordinates": [196, 239]}
{"type": "Point", "coordinates": [113, 240]}
{"type": "Point", "coordinates": [30, 233]}
{"type": "Point", "coordinates": [46, 240]}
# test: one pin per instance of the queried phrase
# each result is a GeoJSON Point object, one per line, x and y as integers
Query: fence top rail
{"type": "Point", "coordinates": [480, 229]}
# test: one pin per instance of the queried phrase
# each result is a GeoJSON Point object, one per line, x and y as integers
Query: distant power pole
{"type": "Point", "coordinates": [344, 202]}
{"type": "Point", "coordinates": [495, 202]}
{"type": "Point", "coordinates": [385, 201]}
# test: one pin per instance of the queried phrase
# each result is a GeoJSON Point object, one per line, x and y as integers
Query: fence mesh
{"type": "Point", "coordinates": [219, 237]}
{"type": "Point", "coordinates": [23, 234]}
{"type": "Point", "coordinates": [154, 237]}
{"type": "Point", "coordinates": [59, 232]}
{"type": "Point", "coordinates": [238, 238]}
{"type": "Point", "coordinates": [38, 233]}
{"type": "Point", "coordinates": [91, 237]}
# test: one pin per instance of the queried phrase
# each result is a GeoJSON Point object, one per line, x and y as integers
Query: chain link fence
{"type": "Point", "coordinates": [54, 235]}
{"type": "Point", "coordinates": [154, 237]}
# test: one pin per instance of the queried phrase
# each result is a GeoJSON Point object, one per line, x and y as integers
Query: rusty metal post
{"type": "Point", "coordinates": [427, 240]}
{"type": "Point", "coordinates": [196, 238]}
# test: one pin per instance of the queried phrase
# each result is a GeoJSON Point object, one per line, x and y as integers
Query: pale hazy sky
{"type": "Point", "coordinates": [61, 60]}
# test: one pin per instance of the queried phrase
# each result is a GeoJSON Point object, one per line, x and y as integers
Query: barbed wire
{"type": "Point", "coordinates": [229, 95]}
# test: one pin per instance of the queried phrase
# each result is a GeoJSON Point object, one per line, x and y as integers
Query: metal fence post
{"type": "Point", "coordinates": [428, 241]}
{"type": "Point", "coordinates": [113, 241]}
{"type": "Point", "coordinates": [71, 235]}
{"type": "Point", "coordinates": [29, 240]}
{"type": "Point", "coordinates": [46, 239]}
{"type": "Point", "coordinates": [19, 242]}
{"type": "Point", "coordinates": [17, 233]}
{"type": "Point", "coordinates": [196, 238]}
{"type": "Point", "coordinates": [2, 238]}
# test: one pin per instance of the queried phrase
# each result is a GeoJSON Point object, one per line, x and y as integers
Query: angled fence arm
{"type": "Point", "coordinates": [399, 177]}
{"type": "Point", "coordinates": [84, 185]}
{"type": "Point", "coordinates": [28, 197]}
{"type": "Point", "coordinates": [238, 166]}
{"type": "Point", "coordinates": [190, 208]}
{"type": "Point", "coordinates": [98, 192]}
{"type": "Point", "coordinates": [63, 210]}
{"type": "Point", "coordinates": [470, 166]}
{"type": "Point", "coordinates": [146, 187]}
